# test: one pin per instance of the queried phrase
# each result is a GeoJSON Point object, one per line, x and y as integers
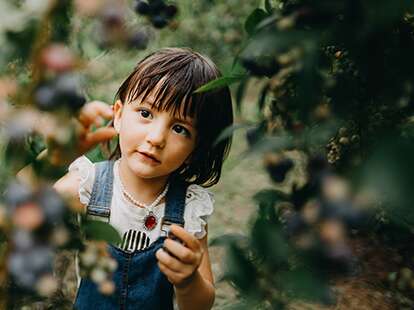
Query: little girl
{"type": "Point", "coordinates": [152, 187]}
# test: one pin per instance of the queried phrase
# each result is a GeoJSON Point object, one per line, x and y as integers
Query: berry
{"type": "Point", "coordinates": [45, 97]}
{"type": "Point", "coordinates": [156, 6]}
{"type": "Point", "coordinates": [67, 86]}
{"type": "Point", "coordinates": [112, 17]}
{"type": "Point", "coordinates": [26, 267]}
{"type": "Point", "coordinates": [159, 21]}
{"type": "Point", "coordinates": [17, 194]}
{"type": "Point", "coordinates": [138, 40]}
{"type": "Point", "coordinates": [295, 224]}
{"type": "Point", "coordinates": [142, 7]}
{"type": "Point", "coordinates": [22, 240]}
{"type": "Point", "coordinates": [52, 204]}
{"type": "Point", "coordinates": [28, 216]}
{"type": "Point", "coordinates": [278, 167]}
{"type": "Point", "coordinates": [46, 285]}
{"type": "Point", "coordinates": [171, 10]}
{"type": "Point", "coordinates": [107, 287]}
{"type": "Point", "coordinates": [58, 58]}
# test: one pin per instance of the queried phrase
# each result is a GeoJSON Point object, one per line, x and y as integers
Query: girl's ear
{"type": "Point", "coordinates": [117, 114]}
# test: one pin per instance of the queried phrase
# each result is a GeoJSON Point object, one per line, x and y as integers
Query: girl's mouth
{"type": "Point", "coordinates": [149, 158]}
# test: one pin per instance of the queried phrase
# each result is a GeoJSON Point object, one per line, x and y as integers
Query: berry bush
{"type": "Point", "coordinates": [336, 87]}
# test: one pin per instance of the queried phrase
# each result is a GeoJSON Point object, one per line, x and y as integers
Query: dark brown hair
{"type": "Point", "coordinates": [177, 73]}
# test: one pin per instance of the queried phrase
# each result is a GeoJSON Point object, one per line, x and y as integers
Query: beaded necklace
{"type": "Point", "coordinates": [150, 220]}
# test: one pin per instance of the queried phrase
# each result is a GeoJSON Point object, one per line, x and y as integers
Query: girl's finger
{"type": "Point", "coordinates": [100, 135]}
{"type": "Point", "coordinates": [93, 111]}
{"type": "Point", "coordinates": [169, 261]}
{"type": "Point", "coordinates": [172, 276]}
{"type": "Point", "coordinates": [183, 253]}
{"type": "Point", "coordinates": [190, 241]}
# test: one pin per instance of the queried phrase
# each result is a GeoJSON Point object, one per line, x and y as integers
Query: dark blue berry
{"type": "Point", "coordinates": [138, 40]}
{"type": "Point", "coordinates": [278, 171]}
{"type": "Point", "coordinates": [142, 7]}
{"type": "Point", "coordinates": [45, 97]}
{"type": "Point", "coordinates": [159, 21]}
{"type": "Point", "coordinates": [171, 10]}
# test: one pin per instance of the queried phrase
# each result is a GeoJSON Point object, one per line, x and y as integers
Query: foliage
{"type": "Point", "coordinates": [336, 86]}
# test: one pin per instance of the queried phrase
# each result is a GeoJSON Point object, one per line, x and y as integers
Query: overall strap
{"type": "Point", "coordinates": [101, 197]}
{"type": "Point", "coordinates": [175, 205]}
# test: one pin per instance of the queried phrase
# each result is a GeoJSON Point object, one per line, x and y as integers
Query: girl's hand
{"type": "Point", "coordinates": [94, 113]}
{"type": "Point", "coordinates": [179, 262]}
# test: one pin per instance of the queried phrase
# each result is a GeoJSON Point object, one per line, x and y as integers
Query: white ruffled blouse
{"type": "Point", "coordinates": [128, 219]}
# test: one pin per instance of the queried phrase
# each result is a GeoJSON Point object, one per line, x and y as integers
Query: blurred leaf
{"type": "Point", "coordinates": [61, 21]}
{"type": "Point", "coordinates": [220, 82]}
{"type": "Point", "coordinates": [262, 97]}
{"type": "Point", "coordinates": [22, 40]}
{"type": "Point", "coordinates": [228, 239]}
{"type": "Point", "coordinates": [98, 230]}
{"type": "Point", "coordinates": [240, 270]}
{"type": "Point", "coordinates": [270, 197]}
{"type": "Point", "coordinates": [268, 6]}
{"type": "Point", "coordinates": [388, 175]}
{"type": "Point", "coordinates": [383, 13]}
{"type": "Point", "coordinates": [241, 90]}
{"type": "Point", "coordinates": [254, 19]}
{"type": "Point", "coordinates": [270, 242]}
{"type": "Point", "coordinates": [301, 283]}
{"type": "Point", "coordinates": [275, 144]}
{"type": "Point", "coordinates": [274, 42]}
{"type": "Point", "coordinates": [229, 131]}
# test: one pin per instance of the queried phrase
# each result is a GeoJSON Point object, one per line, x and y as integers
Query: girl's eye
{"type": "Point", "coordinates": [144, 113]}
{"type": "Point", "coordinates": [181, 130]}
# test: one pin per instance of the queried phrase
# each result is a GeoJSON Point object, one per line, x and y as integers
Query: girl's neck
{"type": "Point", "coordinates": [144, 190]}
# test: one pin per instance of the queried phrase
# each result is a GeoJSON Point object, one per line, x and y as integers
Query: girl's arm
{"type": "Point", "coordinates": [188, 268]}
{"type": "Point", "coordinates": [68, 186]}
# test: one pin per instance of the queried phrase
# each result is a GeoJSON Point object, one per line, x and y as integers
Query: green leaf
{"type": "Point", "coordinates": [220, 82]}
{"type": "Point", "coordinates": [240, 270]}
{"type": "Point", "coordinates": [262, 97]}
{"type": "Point", "coordinates": [254, 19]}
{"type": "Point", "coordinates": [270, 243]}
{"type": "Point", "coordinates": [241, 90]}
{"type": "Point", "coordinates": [268, 6]}
{"type": "Point", "coordinates": [270, 197]}
{"type": "Point", "coordinates": [304, 283]}
{"type": "Point", "coordinates": [228, 239]}
{"type": "Point", "coordinates": [227, 132]}
{"type": "Point", "coordinates": [97, 230]}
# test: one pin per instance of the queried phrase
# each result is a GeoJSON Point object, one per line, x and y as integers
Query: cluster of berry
{"type": "Point", "coordinates": [38, 229]}
{"type": "Point", "coordinates": [276, 165]}
{"type": "Point", "coordinates": [340, 146]}
{"type": "Point", "coordinates": [322, 213]}
{"type": "Point", "coordinates": [157, 11]}
{"type": "Point", "coordinates": [60, 86]}
{"type": "Point", "coordinates": [98, 265]}
{"type": "Point", "coordinates": [114, 31]}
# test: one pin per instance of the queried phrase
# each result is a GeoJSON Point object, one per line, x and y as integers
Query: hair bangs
{"type": "Point", "coordinates": [170, 87]}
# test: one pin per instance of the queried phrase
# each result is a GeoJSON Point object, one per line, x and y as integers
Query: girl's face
{"type": "Point", "coordinates": [153, 143]}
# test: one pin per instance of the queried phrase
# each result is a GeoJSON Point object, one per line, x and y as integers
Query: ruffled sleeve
{"type": "Point", "coordinates": [86, 172]}
{"type": "Point", "coordinates": [199, 205]}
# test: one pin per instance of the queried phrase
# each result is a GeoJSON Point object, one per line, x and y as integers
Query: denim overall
{"type": "Point", "coordinates": [138, 280]}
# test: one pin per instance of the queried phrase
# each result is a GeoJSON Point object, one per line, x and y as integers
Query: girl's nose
{"type": "Point", "coordinates": [157, 135]}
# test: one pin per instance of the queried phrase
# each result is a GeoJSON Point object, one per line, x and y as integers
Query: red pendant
{"type": "Point", "coordinates": [150, 221]}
